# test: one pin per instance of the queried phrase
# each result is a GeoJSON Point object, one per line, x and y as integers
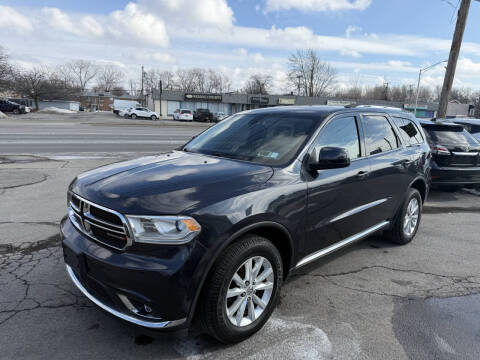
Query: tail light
{"type": "Point", "coordinates": [439, 150]}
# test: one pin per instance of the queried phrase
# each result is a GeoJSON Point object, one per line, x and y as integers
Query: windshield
{"type": "Point", "coordinates": [267, 139]}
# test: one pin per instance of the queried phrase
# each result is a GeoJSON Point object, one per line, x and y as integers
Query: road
{"type": "Point", "coordinates": [373, 300]}
{"type": "Point", "coordinates": [51, 134]}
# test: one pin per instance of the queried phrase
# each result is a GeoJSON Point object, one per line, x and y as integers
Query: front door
{"type": "Point", "coordinates": [336, 197]}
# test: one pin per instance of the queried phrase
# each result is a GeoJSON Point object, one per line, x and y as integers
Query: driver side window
{"type": "Point", "coordinates": [342, 133]}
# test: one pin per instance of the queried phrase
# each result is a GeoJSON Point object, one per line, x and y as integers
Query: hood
{"type": "Point", "coordinates": [172, 183]}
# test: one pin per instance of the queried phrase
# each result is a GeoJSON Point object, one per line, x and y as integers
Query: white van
{"type": "Point", "coordinates": [119, 105]}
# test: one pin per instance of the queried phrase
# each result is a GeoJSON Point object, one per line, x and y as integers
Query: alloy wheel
{"type": "Point", "coordinates": [411, 217]}
{"type": "Point", "coordinates": [250, 291]}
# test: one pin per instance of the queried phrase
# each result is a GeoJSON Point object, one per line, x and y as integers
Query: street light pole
{"type": "Point", "coordinates": [418, 84]}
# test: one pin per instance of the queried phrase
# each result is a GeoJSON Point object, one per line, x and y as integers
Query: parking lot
{"type": "Point", "coordinates": [371, 300]}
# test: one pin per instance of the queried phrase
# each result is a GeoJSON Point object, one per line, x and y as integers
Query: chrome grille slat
{"type": "Point", "coordinates": [100, 230]}
{"type": "Point", "coordinates": [94, 218]}
{"type": "Point", "coordinates": [104, 228]}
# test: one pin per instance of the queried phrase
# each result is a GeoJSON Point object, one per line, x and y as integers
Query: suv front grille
{"type": "Point", "coordinates": [99, 223]}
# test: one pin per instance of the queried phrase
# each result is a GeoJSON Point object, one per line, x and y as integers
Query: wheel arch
{"type": "Point", "coordinates": [268, 229]}
{"type": "Point", "coordinates": [421, 185]}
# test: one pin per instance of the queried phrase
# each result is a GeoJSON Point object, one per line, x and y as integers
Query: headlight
{"type": "Point", "coordinates": [171, 230]}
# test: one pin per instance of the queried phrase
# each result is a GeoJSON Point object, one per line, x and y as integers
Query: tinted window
{"type": "Point", "coordinates": [379, 135]}
{"type": "Point", "coordinates": [409, 131]}
{"type": "Point", "coordinates": [342, 133]}
{"type": "Point", "coordinates": [270, 139]}
{"type": "Point", "coordinates": [444, 135]}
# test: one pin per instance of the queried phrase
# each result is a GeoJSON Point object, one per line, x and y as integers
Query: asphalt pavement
{"type": "Point", "coordinates": [373, 300]}
{"type": "Point", "coordinates": [91, 134]}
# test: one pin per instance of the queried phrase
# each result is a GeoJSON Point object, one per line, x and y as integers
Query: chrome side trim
{"type": "Point", "coordinates": [341, 244]}
{"type": "Point", "coordinates": [358, 209]}
{"type": "Point", "coordinates": [131, 319]}
{"type": "Point", "coordinates": [465, 153]}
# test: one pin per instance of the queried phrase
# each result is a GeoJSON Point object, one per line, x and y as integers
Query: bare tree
{"type": "Point", "coordinates": [185, 80]}
{"type": "Point", "coordinates": [309, 74]}
{"type": "Point", "coordinates": [217, 82]}
{"type": "Point", "coordinates": [33, 83]}
{"type": "Point", "coordinates": [6, 69]}
{"type": "Point", "coordinates": [258, 84]}
{"type": "Point", "coordinates": [82, 72]}
{"type": "Point", "coordinates": [119, 91]}
{"type": "Point", "coordinates": [108, 77]}
{"type": "Point", "coordinates": [153, 77]}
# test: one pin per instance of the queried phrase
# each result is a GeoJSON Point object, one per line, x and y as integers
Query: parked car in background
{"type": "Point", "coordinates": [141, 112]}
{"type": "Point", "coordinates": [219, 116]}
{"type": "Point", "coordinates": [176, 113]}
{"type": "Point", "coordinates": [185, 115]}
{"type": "Point", "coordinates": [203, 115]}
{"type": "Point", "coordinates": [211, 231]}
{"type": "Point", "coordinates": [13, 107]}
{"type": "Point", "coordinates": [124, 112]}
{"type": "Point", "coordinates": [471, 125]}
{"type": "Point", "coordinates": [119, 105]}
{"type": "Point", "coordinates": [455, 154]}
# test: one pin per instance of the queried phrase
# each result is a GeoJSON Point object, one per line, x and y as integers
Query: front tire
{"type": "Point", "coordinates": [153, 117]}
{"type": "Point", "coordinates": [242, 290]}
{"type": "Point", "coordinates": [133, 116]}
{"type": "Point", "coordinates": [408, 219]}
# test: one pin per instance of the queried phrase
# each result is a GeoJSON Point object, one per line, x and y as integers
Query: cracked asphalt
{"type": "Point", "coordinates": [373, 300]}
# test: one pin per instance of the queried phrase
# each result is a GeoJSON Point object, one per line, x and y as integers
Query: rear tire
{"type": "Point", "coordinates": [407, 220]}
{"type": "Point", "coordinates": [256, 301]}
{"type": "Point", "coordinates": [16, 111]}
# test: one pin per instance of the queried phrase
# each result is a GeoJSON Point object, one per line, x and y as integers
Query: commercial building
{"type": "Point", "coordinates": [102, 101]}
{"type": "Point", "coordinates": [230, 103]}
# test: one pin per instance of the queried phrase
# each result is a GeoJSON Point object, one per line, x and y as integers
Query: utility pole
{"type": "Point", "coordinates": [160, 90]}
{"type": "Point", "coordinates": [142, 85]}
{"type": "Point", "coordinates": [385, 84]}
{"type": "Point", "coordinates": [452, 60]}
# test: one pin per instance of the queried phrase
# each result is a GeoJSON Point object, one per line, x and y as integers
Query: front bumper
{"type": "Point", "coordinates": [148, 287]}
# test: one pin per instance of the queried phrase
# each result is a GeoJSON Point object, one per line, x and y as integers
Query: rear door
{"type": "Point", "coordinates": [413, 139]}
{"type": "Point", "coordinates": [336, 197]}
{"type": "Point", "coordinates": [390, 162]}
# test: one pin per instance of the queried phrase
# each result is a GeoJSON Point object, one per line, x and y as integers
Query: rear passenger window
{"type": "Point", "coordinates": [342, 133]}
{"type": "Point", "coordinates": [409, 131]}
{"type": "Point", "coordinates": [379, 134]}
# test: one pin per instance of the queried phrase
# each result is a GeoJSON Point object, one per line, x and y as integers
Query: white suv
{"type": "Point", "coordinates": [185, 115]}
{"type": "Point", "coordinates": [141, 112]}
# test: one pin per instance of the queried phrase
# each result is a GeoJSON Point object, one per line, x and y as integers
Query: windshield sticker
{"type": "Point", "coordinates": [268, 154]}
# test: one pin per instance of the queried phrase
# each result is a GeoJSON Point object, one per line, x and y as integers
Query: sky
{"type": "Point", "coordinates": [371, 41]}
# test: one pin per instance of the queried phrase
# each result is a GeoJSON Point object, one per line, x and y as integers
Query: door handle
{"type": "Point", "coordinates": [362, 174]}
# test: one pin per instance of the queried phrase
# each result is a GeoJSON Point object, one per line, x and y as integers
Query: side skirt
{"type": "Point", "coordinates": [337, 246]}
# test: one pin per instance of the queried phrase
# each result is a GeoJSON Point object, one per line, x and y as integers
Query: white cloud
{"type": "Point", "coordinates": [58, 20]}
{"type": "Point", "coordinates": [317, 5]}
{"type": "Point", "coordinates": [352, 29]}
{"type": "Point", "coordinates": [191, 13]}
{"type": "Point", "coordinates": [164, 58]}
{"type": "Point", "coordinates": [91, 26]}
{"type": "Point", "coordinates": [11, 19]}
{"type": "Point", "coordinates": [133, 24]}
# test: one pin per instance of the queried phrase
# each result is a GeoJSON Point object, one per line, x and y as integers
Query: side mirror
{"type": "Point", "coordinates": [330, 158]}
